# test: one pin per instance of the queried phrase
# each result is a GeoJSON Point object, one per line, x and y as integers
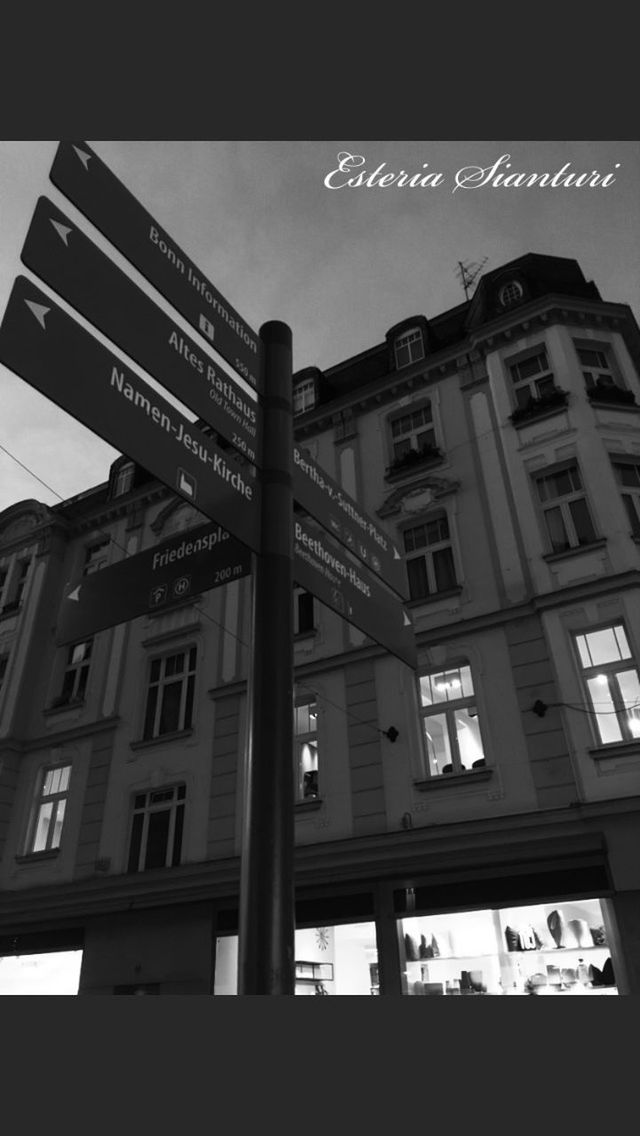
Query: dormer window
{"type": "Point", "coordinates": [304, 396]}
{"type": "Point", "coordinates": [510, 294]}
{"type": "Point", "coordinates": [123, 480]}
{"type": "Point", "coordinates": [409, 347]}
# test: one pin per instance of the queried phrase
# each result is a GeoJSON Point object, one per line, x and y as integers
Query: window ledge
{"type": "Point", "coordinates": [613, 404]}
{"type": "Point", "coordinates": [435, 597]}
{"type": "Point", "coordinates": [162, 739]}
{"type": "Point", "coordinates": [36, 857]}
{"type": "Point", "coordinates": [301, 635]}
{"type": "Point", "coordinates": [309, 806]}
{"type": "Point", "coordinates": [72, 704]}
{"type": "Point", "coordinates": [551, 557]}
{"type": "Point", "coordinates": [443, 779]}
{"type": "Point", "coordinates": [616, 749]}
{"type": "Point", "coordinates": [413, 468]}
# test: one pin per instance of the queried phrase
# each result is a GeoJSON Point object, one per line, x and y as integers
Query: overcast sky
{"type": "Point", "coordinates": [340, 266]}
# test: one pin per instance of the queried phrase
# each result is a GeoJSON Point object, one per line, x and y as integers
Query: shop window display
{"type": "Point", "coordinates": [328, 961]}
{"type": "Point", "coordinates": [550, 948]}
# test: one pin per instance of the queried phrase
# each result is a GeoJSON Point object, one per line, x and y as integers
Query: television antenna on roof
{"type": "Point", "coordinates": [468, 274]}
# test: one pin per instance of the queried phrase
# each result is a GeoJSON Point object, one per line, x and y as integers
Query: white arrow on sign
{"type": "Point", "coordinates": [83, 156]}
{"type": "Point", "coordinates": [75, 594]}
{"type": "Point", "coordinates": [62, 230]}
{"type": "Point", "coordinates": [39, 311]}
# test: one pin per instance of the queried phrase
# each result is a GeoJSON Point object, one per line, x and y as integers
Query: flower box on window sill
{"type": "Point", "coordinates": [441, 780]}
{"type": "Point", "coordinates": [567, 553]}
{"type": "Point", "coordinates": [541, 407]}
{"type": "Point", "coordinates": [616, 749]}
{"type": "Point", "coordinates": [612, 395]}
{"type": "Point", "coordinates": [162, 739]}
{"type": "Point", "coordinates": [8, 610]}
{"type": "Point", "coordinates": [310, 805]}
{"type": "Point", "coordinates": [413, 460]}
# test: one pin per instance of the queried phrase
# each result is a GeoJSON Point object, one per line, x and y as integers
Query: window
{"type": "Point", "coordinates": [450, 721]}
{"type": "Point", "coordinates": [305, 729]}
{"type": "Point", "coordinates": [303, 612]}
{"type": "Point", "coordinates": [50, 805]}
{"type": "Point", "coordinates": [4, 662]}
{"type": "Point", "coordinates": [170, 695]}
{"type": "Point", "coordinates": [96, 556]}
{"type": "Point", "coordinates": [413, 431]}
{"type": "Point", "coordinates": [124, 480]}
{"type": "Point", "coordinates": [597, 366]}
{"type": "Point", "coordinates": [74, 683]}
{"type": "Point", "coordinates": [12, 590]}
{"type": "Point", "coordinates": [4, 572]}
{"type": "Point", "coordinates": [304, 396]}
{"type": "Point", "coordinates": [430, 566]}
{"type": "Point", "coordinates": [156, 829]}
{"type": "Point", "coordinates": [565, 509]}
{"type": "Point", "coordinates": [628, 477]}
{"type": "Point", "coordinates": [510, 293]}
{"type": "Point", "coordinates": [611, 680]}
{"type": "Point", "coordinates": [409, 347]}
{"type": "Point", "coordinates": [532, 378]}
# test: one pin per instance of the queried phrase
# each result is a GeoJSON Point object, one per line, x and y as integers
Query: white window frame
{"type": "Point", "coordinates": [428, 552]}
{"type": "Point", "coordinates": [306, 747]}
{"type": "Point", "coordinates": [53, 792]}
{"type": "Point", "coordinates": [409, 343]}
{"type": "Point", "coordinates": [187, 678]}
{"type": "Point", "coordinates": [510, 293]}
{"type": "Point", "coordinates": [449, 679]}
{"type": "Point", "coordinates": [562, 505]}
{"type": "Point", "coordinates": [412, 429]}
{"type": "Point", "coordinates": [164, 798]}
{"type": "Point", "coordinates": [603, 367]}
{"type": "Point", "coordinates": [625, 717]}
{"type": "Point", "coordinates": [629, 490]}
{"type": "Point", "coordinates": [304, 396]}
{"type": "Point", "coordinates": [123, 479]}
{"type": "Point", "coordinates": [529, 384]}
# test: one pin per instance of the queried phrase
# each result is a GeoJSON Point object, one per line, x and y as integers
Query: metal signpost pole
{"type": "Point", "coordinates": [267, 914]}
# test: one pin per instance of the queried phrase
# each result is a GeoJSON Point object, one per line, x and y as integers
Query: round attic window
{"type": "Point", "coordinates": [510, 293]}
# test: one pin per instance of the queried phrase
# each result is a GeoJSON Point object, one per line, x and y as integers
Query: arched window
{"type": "Point", "coordinates": [510, 293]}
{"type": "Point", "coordinates": [450, 721]}
{"type": "Point", "coordinates": [409, 347]}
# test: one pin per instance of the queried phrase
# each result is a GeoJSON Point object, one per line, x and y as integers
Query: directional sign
{"type": "Point", "coordinates": [320, 567]}
{"type": "Point", "coordinates": [58, 252]}
{"type": "Point", "coordinates": [184, 566]}
{"type": "Point", "coordinates": [326, 501]}
{"type": "Point", "coordinates": [48, 349]}
{"type": "Point", "coordinates": [81, 175]}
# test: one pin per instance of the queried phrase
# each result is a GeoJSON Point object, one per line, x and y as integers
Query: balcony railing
{"type": "Point", "coordinates": [414, 459]}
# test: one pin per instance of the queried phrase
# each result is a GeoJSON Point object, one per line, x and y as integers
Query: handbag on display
{"type": "Point", "coordinates": [555, 923]}
{"type": "Point", "coordinates": [411, 948]}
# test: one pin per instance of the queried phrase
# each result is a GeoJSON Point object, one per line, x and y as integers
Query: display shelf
{"type": "Point", "coordinates": [556, 950]}
{"type": "Point", "coordinates": [458, 958]}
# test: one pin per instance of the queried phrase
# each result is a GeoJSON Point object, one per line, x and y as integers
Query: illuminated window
{"type": "Point", "coordinates": [50, 806]}
{"type": "Point", "coordinates": [450, 721]}
{"type": "Point", "coordinates": [409, 347]}
{"type": "Point", "coordinates": [565, 509]}
{"type": "Point", "coordinates": [611, 680]}
{"type": "Point", "coordinates": [156, 828]}
{"type": "Point", "coordinates": [305, 729]}
{"type": "Point", "coordinates": [170, 693]}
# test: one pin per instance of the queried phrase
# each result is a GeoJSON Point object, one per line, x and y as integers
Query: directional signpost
{"type": "Point", "coordinates": [86, 181]}
{"type": "Point", "coordinates": [320, 567]}
{"type": "Point", "coordinates": [145, 584]}
{"type": "Point", "coordinates": [251, 509]}
{"type": "Point", "coordinates": [61, 255]}
{"type": "Point", "coordinates": [48, 349]}
{"type": "Point", "coordinates": [322, 497]}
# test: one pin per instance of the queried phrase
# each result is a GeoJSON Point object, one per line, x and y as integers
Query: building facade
{"type": "Point", "coordinates": [472, 827]}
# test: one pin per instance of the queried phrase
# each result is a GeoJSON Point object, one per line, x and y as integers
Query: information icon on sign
{"type": "Point", "coordinates": [158, 595]}
{"type": "Point", "coordinates": [207, 327]}
{"type": "Point", "coordinates": [181, 586]}
{"type": "Point", "coordinates": [186, 483]}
